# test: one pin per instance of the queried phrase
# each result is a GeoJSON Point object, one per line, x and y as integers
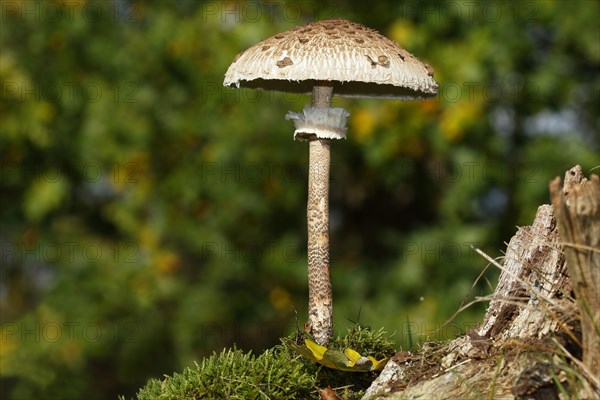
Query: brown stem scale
{"type": "Point", "coordinates": [320, 298]}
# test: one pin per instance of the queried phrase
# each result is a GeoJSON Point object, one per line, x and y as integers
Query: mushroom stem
{"type": "Point", "coordinates": [320, 298]}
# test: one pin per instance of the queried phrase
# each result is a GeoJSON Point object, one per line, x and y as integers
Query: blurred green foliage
{"type": "Point", "coordinates": [150, 216]}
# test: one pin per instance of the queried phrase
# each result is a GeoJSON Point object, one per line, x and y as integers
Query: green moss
{"type": "Point", "coordinates": [377, 344]}
{"type": "Point", "coordinates": [278, 373]}
{"type": "Point", "coordinates": [233, 374]}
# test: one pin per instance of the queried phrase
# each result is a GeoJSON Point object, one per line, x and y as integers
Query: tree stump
{"type": "Point", "coordinates": [529, 343]}
{"type": "Point", "coordinates": [577, 208]}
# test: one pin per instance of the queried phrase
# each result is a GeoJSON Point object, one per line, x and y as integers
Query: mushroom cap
{"type": "Point", "coordinates": [358, 61]}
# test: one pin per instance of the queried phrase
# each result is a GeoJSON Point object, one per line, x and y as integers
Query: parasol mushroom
{"type": "Point", "coordinates": [326, 58]}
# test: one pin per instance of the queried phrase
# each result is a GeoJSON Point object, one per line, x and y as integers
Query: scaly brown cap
{"type": "Point", "coordinates": [360, 61]}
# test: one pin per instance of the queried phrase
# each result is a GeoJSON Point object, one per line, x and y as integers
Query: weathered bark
{"type": "Point", "coordinates": [577, 208]}
{"type": "Point", "coordinates": [534, 267]}
{"type": "Point", "coordinates": [320, 297]}
{"type": "Point", "coordinates": [513, 353]}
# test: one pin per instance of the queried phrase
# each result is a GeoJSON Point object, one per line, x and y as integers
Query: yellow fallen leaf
{"type": "Point", "coordinates": [317, 350]}
{"type": "Point", "coordinates": [348, 360]}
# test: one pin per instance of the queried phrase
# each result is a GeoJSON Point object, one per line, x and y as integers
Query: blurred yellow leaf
{"type": "Point", "coordinates": [280, 298]}
{"type": "Point", "coordinates": [457, 118]}
{"type": "Point", "coordinates": [401, 32]}
{"type": "Point", "coordinates": [362, 125]}
{"type": "Point", "coordinates": [166, 262]}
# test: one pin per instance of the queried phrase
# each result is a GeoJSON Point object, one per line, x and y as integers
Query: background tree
{"type": "Point", "coordinates": [146, 221]}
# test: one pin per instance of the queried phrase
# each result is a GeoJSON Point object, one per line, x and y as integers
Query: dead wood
{"type": "Point", "coordinates": [529, 343]}
{"type": "Point", "coordinates": [577, 208]}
